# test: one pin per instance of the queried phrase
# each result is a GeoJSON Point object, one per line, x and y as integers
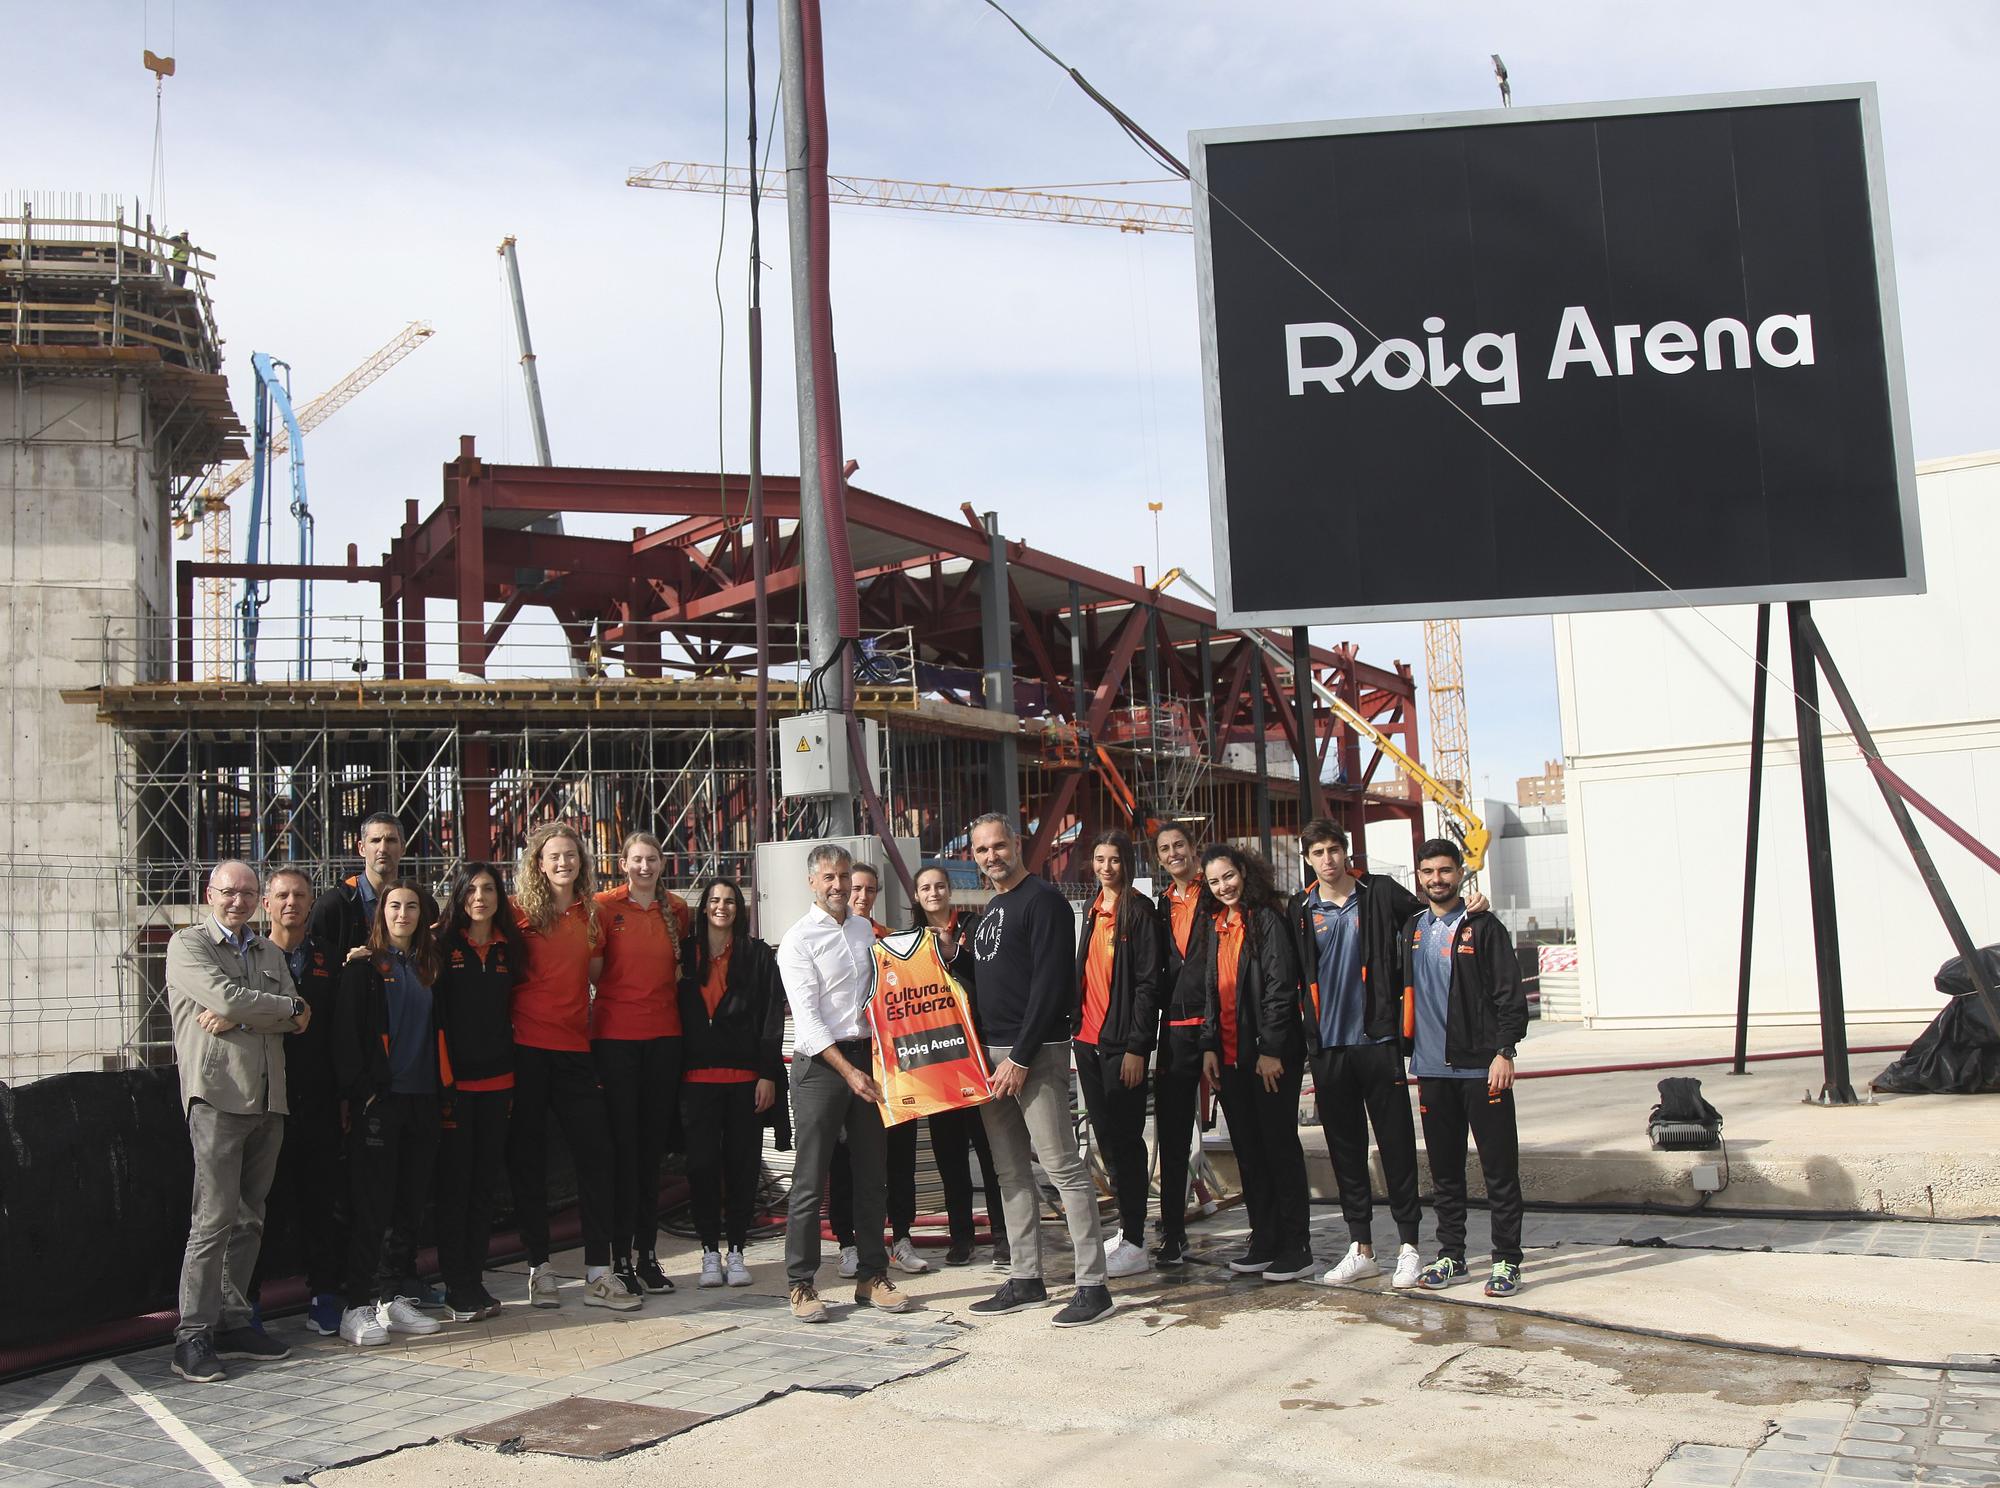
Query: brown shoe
{"type": "Point", "coordinates": [879, 1291]}
{"type": "Point", "coordinates": [806, 1305]}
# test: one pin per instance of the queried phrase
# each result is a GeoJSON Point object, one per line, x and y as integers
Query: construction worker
{"type": "Point", "coordinates": [182, 249]}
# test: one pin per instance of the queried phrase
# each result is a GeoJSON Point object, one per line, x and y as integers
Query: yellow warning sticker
{"type": "Point", "coordinates": [804, 747]}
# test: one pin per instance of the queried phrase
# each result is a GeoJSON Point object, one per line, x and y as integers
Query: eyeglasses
{"type": "Point", "coordinates": [233, 893]}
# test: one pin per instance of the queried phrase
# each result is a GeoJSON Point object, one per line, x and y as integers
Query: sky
{"type": "Point", "coordinates": [354, 168]}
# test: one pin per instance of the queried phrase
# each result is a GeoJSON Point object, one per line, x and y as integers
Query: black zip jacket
{"type": "Point", "coordinates": [361, 1035]}
{"type": "Point", "coordinates": [339, 919]}
{"type": "Point", "coordinates": [1138, 964]}
{"type": "Point", "coordinates": [1173, 999]}
{"type": "Point", "coordinates": [472, 997]}
{"type": "Point", "coordinates": [747, 1028]}
{"type": "Point", "coordinates": [1267, 992]}
{"type": "Point", "coordinates": [1386, 906]}
{"type": "Point", "coordinates": [309, 1075]}
{"type": "Point", "coordinates": [1486, 1011]}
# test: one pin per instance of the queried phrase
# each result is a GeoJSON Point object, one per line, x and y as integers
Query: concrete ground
{"type": "Point", "coordinates": [1583, 1137]}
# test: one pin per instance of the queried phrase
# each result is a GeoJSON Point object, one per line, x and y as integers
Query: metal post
{"type": "Point", "coordinates": [760, 555]}
{"type": "Point", "coordinates": [1076, 655]}
{"type": "Point", "coordinates": [1302, 704]}
{"type": "Point", "coordinates": [1263, 763]}
{"type": "Point", "coordinates": [996, 635]}
{"type": "Point", "coordinates": [1837, 1090]}
{"type": "Point", "coordinates": [822, 601]}
{"type": "Point", "coordinates": [535, 418]}
{"type": "Point", "coordinates": [1759, 692]}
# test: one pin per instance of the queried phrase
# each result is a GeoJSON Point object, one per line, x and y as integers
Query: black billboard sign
{"type": "Point", "coordinates": [1680, 314]}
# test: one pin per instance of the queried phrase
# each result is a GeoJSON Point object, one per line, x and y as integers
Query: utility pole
{"type": "Point", "coordinates": [822, 600]}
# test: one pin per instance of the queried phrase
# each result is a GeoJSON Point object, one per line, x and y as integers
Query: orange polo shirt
{"type": "Point", "coordinates": [636, 997]}
{"type": "Point", "coordinates": [1228, 947]}
{"type": "Point", "coordinates": [1097, 961]}
{"type": "Point", "coordinates": [1181, 903]}
{"type": "Point", "coordinates": [552, 999]}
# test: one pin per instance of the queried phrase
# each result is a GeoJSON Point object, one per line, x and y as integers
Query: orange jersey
{"type": "Point", "coordinates": [927, 1056]}
{"type": "Point", "coordinates": [641, 949]}
{"type": "Point", "coordinates": [1097, 969]}
{"type": "Point", "coordinates": [1228, 948]}
{"type": "Point", "coordinates": [1181, 905]}
{"type": "Point", "coordinates": [551, 1005]}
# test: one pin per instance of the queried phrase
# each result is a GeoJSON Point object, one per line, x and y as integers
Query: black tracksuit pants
{"type": "Point", "coordinates": [1118, 1122]}
{"type": "Point", "coordinates": [1355, 1086]}
{"type": "Point", "coordinates": [1264, 1133]}
{"type": "Point", "coordinates": [562, 1082]}
{"type": "Point", "coordinates": [955, 1135]}
{"type": "Point", "coordinates": [1451, 1108]}
{"type": "Point", "coordinates": [641, 1080]}
{"type": "Point", "coordinates": [1176, 1108]}
{"type": "Point", "coordinates": [307, 1212]}
{"type": "Point", "coordinates": [470, 1160]}
{"type": "Point", "coordinates": [725, 1153]}
{"type": "Point", "coordinates": [392, 1152]}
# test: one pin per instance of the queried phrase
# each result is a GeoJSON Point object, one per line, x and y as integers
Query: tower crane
{"type": "Point", "coordinates": [210, 505]}
{"type": "Point", "coordinates": [1444, 665]}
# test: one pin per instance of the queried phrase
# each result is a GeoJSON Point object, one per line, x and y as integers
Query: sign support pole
{"type": "Point", "coordinates": [1838, 1090]}
{"type": "Point", "coordinates": [1760, 692]}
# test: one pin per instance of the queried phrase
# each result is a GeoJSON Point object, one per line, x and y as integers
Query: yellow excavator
{"type": "Point", "coordinates": [1463, 821]}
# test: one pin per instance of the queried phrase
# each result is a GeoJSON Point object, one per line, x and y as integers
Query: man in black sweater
{"type": "Point", "coordinates": [1025, 949]}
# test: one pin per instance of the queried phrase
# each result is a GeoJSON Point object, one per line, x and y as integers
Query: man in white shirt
{"type": "Point", "coordinates": [827, 963]}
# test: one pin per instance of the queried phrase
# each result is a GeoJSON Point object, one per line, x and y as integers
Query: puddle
{"type": "Point", "coordinates": [1493, 1352]}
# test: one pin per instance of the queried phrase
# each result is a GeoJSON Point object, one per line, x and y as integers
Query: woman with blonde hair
{"type": "Point", "coordinates": [559, 922]}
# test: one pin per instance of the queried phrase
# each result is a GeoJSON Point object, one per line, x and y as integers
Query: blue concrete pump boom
{"type": "Point", "coordinates": [272, 389]}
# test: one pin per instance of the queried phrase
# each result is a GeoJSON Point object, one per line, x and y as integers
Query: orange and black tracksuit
{"type": "Point", "coordinates": [474, 991]}
{"type": "Point", "coordinates": [1170, 1017]}
{"type": "Point", "coordinates": [1120, 961]}
{"type": "Point", "coordinates": [1357, 1076]}
{"type": "Point", "coordinates": [1249, 984]}
{"type": "Point", "coordinates": [391, 1065]}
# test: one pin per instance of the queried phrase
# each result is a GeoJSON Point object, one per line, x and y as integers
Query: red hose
{"type": "Point", "coordinates": [1666, 1064]}
{"type": "Point", "coordinates": [826, 377]}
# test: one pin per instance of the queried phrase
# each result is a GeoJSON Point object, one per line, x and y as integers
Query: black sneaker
{"type": "Point", "coordinates": [195, 1360]}
{"type": "Point", "coordinates": [959, 1253]}
{"type": "Point", "coordinates": [1253, 1262]}
{"type": "Point", "coordinates": [626, 1272]}
{"type": "Point", "coordinates": [464, 1304]}
{"type": "Point", "coordinates": [248, 1343]}
{"type": "Point", "coordinates": [1090, 1304]}
{"type": "Point", "coordinates": [650, 1276]}
{"type": "Point", "coordinates": [489, 1305]}
{"type": "Point", "coordinates": [1003, 1255]}
{"type": "Point", "coordinates": [1293, 1265]}
{"type": "Point", "coordinates": [1014, 1294]}
{"type": "Point", "coordinates": [1170, 1253]}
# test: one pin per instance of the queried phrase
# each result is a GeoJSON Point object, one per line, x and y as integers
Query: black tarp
{"type": "Point", "coordinates": [1959, 1054]}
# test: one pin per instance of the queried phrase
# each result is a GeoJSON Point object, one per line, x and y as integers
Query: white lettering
{"type": "Point", "coordinates": [1667, 345]}
{"type": "Point", "coordinates": [1801, 354]}
{"type": "Point", "coordinates": [1711, 342]}
{"type": "Point", "coordinates": [1576, 341]}
{"type": "Point", "coordinates": [1441, 371]}
{"type": "Point", "coordinates": [1506, 373]}
{"type": "Point", "coordinates": [1377, 367]}
{"type": "Point", "coordinates": [1622, 338]}
{"type": "Point", "coordinates": [1297, 374]}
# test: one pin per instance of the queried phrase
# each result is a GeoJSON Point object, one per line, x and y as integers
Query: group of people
{"type": "Point", "coordinates": [373, 1052]}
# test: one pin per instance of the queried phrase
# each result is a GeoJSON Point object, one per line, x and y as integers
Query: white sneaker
{"type": "Point", "coordinates": [1353, 1267]}
{"type": "Point", "coordinates": [1409, 1266]}
{"type": "Point", "coordinates": [398, 1316]}
{"type": "Point", "coordinates": [609, 1290]}
{"type": "Point", "coordinates": [739, 1274]}
{"type": "Point", "coordinates": [711, 1269]}
{"type": "Point", "coordinates": [360, 1326]}
{"type": "Point", "coordinates": [850, 1261]}
{"type": "Point", "coordinates": [903, 1255]}
{"type": "Point", "coordinates": [542, 1287]}
{"type": "Point", "coordinates": [1123, 1258]}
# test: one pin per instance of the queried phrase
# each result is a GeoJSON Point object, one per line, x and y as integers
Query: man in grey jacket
{"type": "Point", "coordinates": [233, 1002]}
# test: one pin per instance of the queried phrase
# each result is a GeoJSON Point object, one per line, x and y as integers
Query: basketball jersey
{"type": "Point", "coordinates": [927, 1053]}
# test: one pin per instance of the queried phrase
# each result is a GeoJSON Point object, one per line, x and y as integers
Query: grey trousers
{"type": "Point", "coordinates": [235, 1158]}
{"type": "Point", "coordinates": [822, 1108]}
{"type": "Point", "coordinates": [1037, 1124]}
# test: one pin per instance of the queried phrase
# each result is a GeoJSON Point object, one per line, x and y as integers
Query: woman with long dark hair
{"type": "Point", "coordinates": [1120, 958]}
{"type": "Point", "coordinates": [732, 1014]}
{"type": "Point", "coordinates": [386, 1058]}
{"type": "Point", "coordinates": [954, 1132]}
{"type": "Point", "coordinates": [557, 915]}
{"type": "Point", "coordinates": [1254, 1053]}
{"type": "Point", "coordinates": [481, 955]}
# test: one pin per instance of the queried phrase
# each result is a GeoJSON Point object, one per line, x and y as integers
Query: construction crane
{"type": "Point", "coordinates": [1444, 663]}
{"type": "Point", "coordinates": [211, 503]}
{"type": "Point", "coordinates": [1463, 820]}
{"type": "Point", "coordinates": [274, 394]}
{"type": "Point", "coordinates": [1024, 203]}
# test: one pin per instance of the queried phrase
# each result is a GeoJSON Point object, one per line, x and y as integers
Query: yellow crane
{"type": "Point", "coordinates": [210, 504]}
{"type": "Point", "coordinates": [1450, 785]}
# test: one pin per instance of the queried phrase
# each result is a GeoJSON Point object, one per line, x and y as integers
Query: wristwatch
{"type": "Point", "coordinates": [1506, 1053]}
{"type": "Point", "coordinates": [298, 1007]}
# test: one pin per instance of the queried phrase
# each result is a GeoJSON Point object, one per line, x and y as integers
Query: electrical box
{"type": "Point", "coordinates": [1707, 1177]}
{"type": "Point", "coordinates": [813, 754]}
